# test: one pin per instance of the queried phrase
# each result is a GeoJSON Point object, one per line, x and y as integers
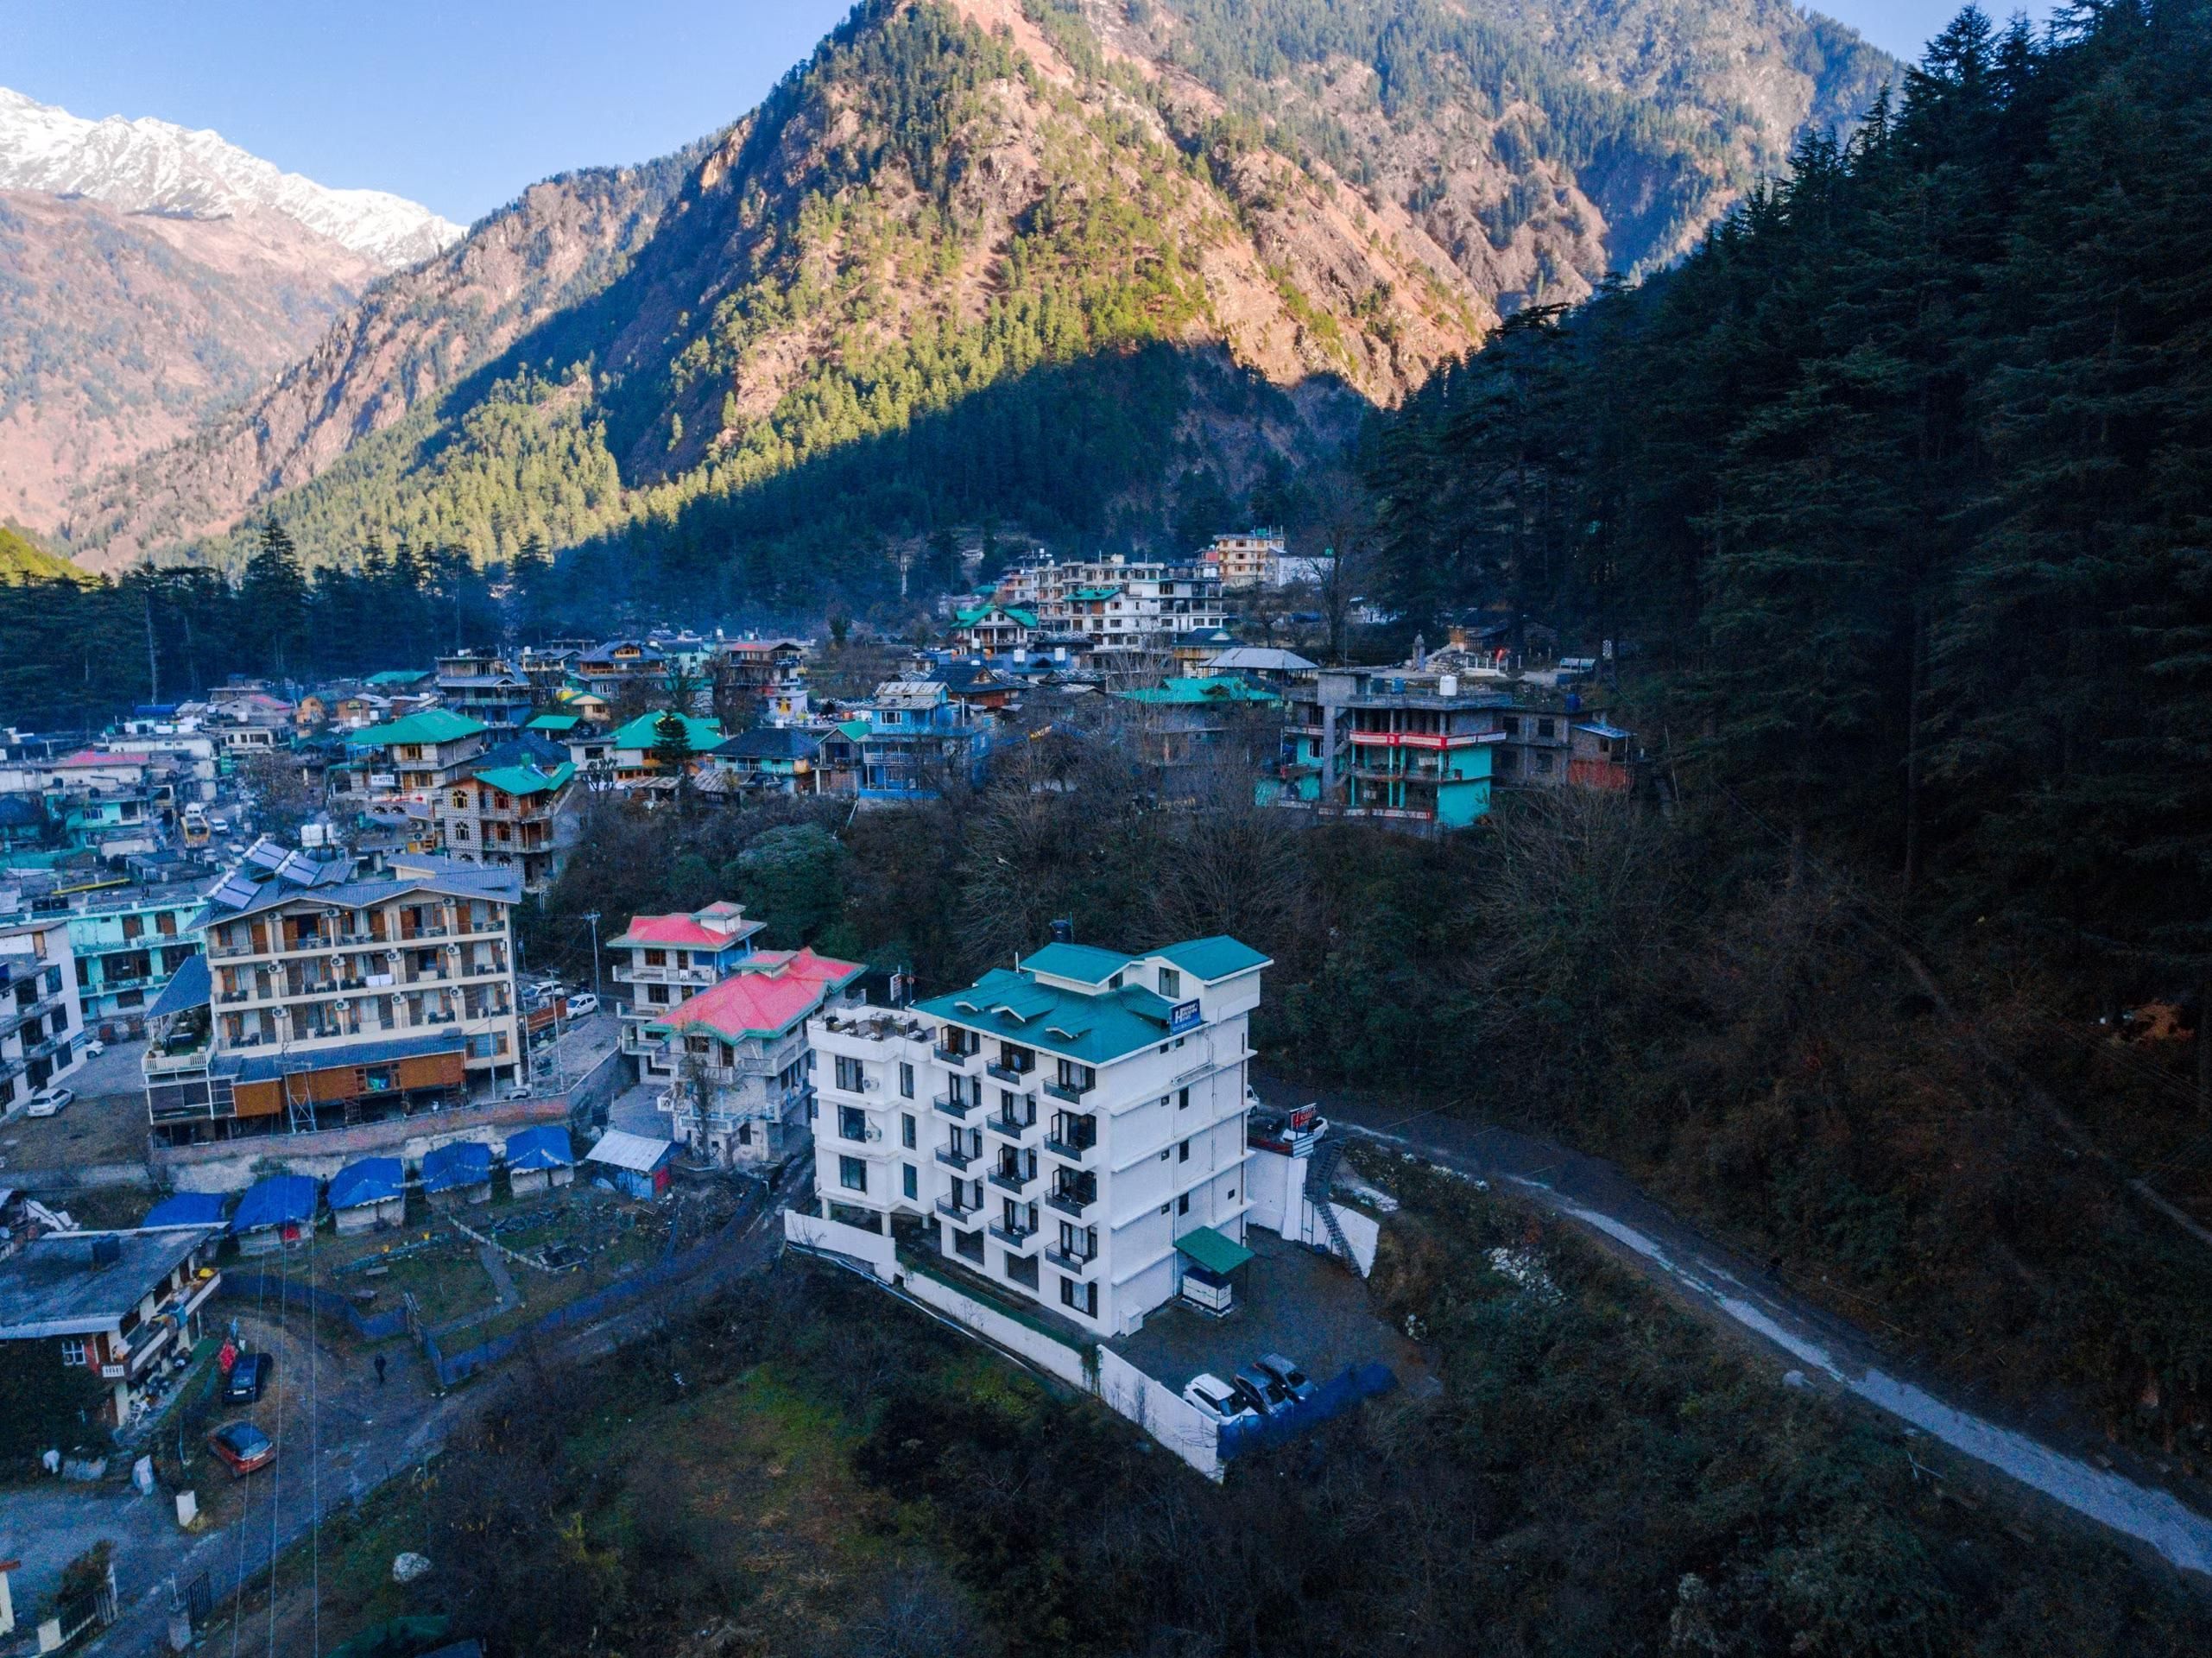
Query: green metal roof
{"type": "Point", "coordinates": [399, 676]}
{"type": "Point", "coordinates": [527, 780]}
{"type": "Point", "coordinates": [428, 728]}
{"type": "Point", "coordinates": [1190, 693]}
{"type": "Point", "coordinates": [1208, 959]}
{"type": "Point", "coordinates": [968, 617]}
{"type": "Point", "coordinates": [1094, 1029]}
{"type": "Point", "coordinates": [644, 731]}
{"type": "Point", "coordinates": [1213, 1251]}
{"type": "Point", "coordinates": [553, 722]}
{"type": "Point", "coordinates": [854, 729]}
{"type": "Point", "coordinates": [1085, 964]}
{"type": "Point", "coordinates": [1094, 592]}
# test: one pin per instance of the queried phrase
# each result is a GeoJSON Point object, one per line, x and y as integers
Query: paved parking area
{"type": "Point", "coordinates": [1291, 1300]}
{"type": "Point", "coordinates": [106, 1123]}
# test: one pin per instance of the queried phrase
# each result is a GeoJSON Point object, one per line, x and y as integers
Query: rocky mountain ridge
{"type": "Point", "coordinates": [148, 166]}
{"type": "Point", "coordinates": [956, 207]}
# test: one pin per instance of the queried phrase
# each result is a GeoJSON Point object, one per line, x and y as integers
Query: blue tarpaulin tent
{"type": "Point", "coordinates": [539, 1157]}
{"type": "Point", "coordinates": [187, 1209]}
{"type": "Point", "coordinates": [273, 1211]}
{"type": "Point", "coordinates": [373, 1180]}
{"type": "Point", "coordinates": [459, 1173]}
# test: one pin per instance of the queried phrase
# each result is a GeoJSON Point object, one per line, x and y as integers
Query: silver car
{"type": "Point", "coordinates": [1294, 1381]}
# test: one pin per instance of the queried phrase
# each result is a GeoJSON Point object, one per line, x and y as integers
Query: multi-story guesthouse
{"type": "Point", "coordinates": [39, 1039]}
{"type": "Point", "coordinates": [736, 1054]}
{"type": "Point", "coordinates": [328, 998]}
{"type": "Point", "coordinates": [1250, 558]}
{"type": "Point", "coordinates": [515, 815]}
{"type": "Point", "coordinates": [662, 961]}
{"type": "Point", "coordinates": [111, 1305]}
{"type": "Point", "coordinates": [1073, 1127]}
{"type": "Point", "coordinates": [491, 690]}
{"type": "Point", "coordinates": [1117, 603]}
{"type": "Point", "coordinates": [414, 758]}
{"type": "Point", "coordinates": [129, 943]}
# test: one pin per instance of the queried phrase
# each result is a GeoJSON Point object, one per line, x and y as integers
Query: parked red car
{"type": "Point", "coordinates": [242, 1445]}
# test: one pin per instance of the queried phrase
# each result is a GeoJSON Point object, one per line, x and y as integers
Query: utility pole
{"type": "Point", "coordinates": [592, 916]}
{"type": "Point", "coordinates": [153, 663]}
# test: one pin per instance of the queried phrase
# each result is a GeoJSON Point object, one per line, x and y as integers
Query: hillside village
{"type": "Point", "coordinates": [292, 910]}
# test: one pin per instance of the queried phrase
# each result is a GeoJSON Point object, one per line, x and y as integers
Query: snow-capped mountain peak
{"type": "Point", "coordinates": [148, 165]}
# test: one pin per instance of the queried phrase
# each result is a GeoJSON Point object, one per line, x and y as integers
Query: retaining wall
{"type": "Point", "coordinates": [233, 1164]}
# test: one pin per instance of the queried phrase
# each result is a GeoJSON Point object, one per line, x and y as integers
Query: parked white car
{"type": "Point", "coordinates": [582, 1003]}
{"type": "Point", "coordinates": [49, 1102]}
{"type": "Point", "coordinates": [1217, 1400]}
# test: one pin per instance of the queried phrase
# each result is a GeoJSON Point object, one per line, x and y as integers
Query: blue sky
{"type": "Point", "coordinates": [459, 104]}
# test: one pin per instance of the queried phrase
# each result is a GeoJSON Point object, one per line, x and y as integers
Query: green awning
{"type": "Point", "coordinates": [1212, 1251]}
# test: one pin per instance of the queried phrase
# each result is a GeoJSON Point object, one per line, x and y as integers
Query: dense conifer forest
{"type": "Point", "coordinates": [1900, 488]}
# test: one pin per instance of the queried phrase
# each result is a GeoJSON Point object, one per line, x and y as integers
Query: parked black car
{"type": "Point", "coordinates": [248, 1378]}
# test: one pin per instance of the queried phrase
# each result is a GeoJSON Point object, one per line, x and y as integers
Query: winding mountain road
{"type": "Point", "coordinates": [1715, 1280]}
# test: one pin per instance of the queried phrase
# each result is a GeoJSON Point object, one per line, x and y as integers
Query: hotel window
{"type": "Point", "coordinates": [1170, 983]}
{"type": "Point", "coordinates": [849, 1073]}
{"type": "Point", "coordinates": [909, 1182]}
{"type": "Point", "coordinates": [906, 1131]}
{"type": "Point", "coordinates": [852, 1173]}
{"type": "Point", "coordinates": [907, 1086]}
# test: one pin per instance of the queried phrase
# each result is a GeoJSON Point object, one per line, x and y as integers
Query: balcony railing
{"type": "Point", "coordinates": [1008, 1073]}
{"type": "Point", "coordinates": [1072, 1093]}
{"type": "Point", "coordinates": [1070, 1202]}
{"type": "Point", "coordinates": [951, 1159]}
{"type": "Point", "coordinates": [1012, 1127]}
{"type": "Point", "coordinates": [1014, 1237]}
{"type": "Point", "coordinates": [958, 1213]}
{"type": "Point", "coordinates": [956, 1109]}
{"type": "Point", "coordinates": [956, 1057]}
{"type": "Point", "coordinates": [627, 974]}
{"type": "Point", "coordinates": [1073, 1152]}
{"type": "Point", "coordinates": [1010, 1179]}
{"type": "Point", "coordinates": [1066, 1263]}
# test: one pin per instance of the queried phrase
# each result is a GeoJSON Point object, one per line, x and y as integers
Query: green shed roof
{"type": "Point", "coordinates": [399, 676]}
{"type": "Point", "coordinates": [1212, 1250]}
{"type": "Point", "coordinates": [430, 726]}
{"type": "Point", "coordinates": [1083, 963]}
{"type": "Point", "coordinates": [554, 723]}
{"type": "Point", "coordinates": [1219, 957]}
{"type": "Point", "coordinates": [527, 780]}
{"type": "Point", "coordinates": [644, 731]}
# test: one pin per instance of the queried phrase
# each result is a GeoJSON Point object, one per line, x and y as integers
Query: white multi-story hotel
{"type": "Point", "coordinates": [1119, 603]}
{"type": "Point", "coordinates": [1072, 1129]}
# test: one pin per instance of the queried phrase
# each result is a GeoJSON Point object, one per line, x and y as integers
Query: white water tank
{"type": "Point", "coordinates": [1448, 685]}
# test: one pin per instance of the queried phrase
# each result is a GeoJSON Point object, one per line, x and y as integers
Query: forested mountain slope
{"type": "Point", "coordinates": [120, 331]}
{"type": "Point", "coordinates": [1050, 263]}
{"type": "Point", "coordinates": [1897, 494]}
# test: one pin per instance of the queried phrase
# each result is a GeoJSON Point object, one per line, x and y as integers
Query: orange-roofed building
{"type": "Point", "coordinates": [741, 1093]}
{"type": "Point", "coordinates": [662, 961]}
